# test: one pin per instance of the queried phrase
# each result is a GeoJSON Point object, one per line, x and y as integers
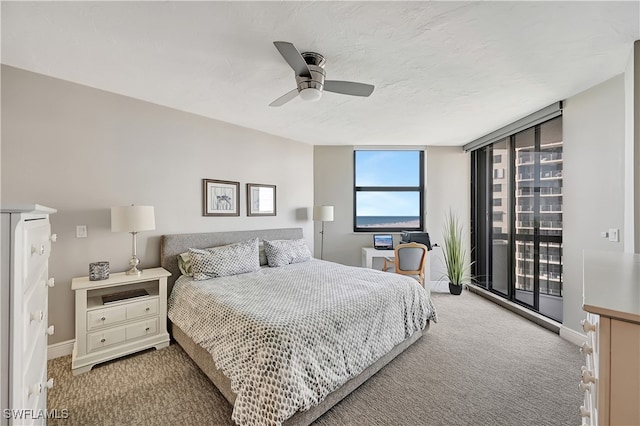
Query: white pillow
{"type": "Point", "coordinates": [284, 252]}
{"type": "Point", "coordinates": [231, 259]}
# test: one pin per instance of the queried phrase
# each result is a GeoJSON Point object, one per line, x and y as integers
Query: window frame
{"type": "Point", "coordinates": [420, 189]}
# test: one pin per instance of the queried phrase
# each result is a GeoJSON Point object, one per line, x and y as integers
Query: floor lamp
{"type": "Point", "coordinates": [323, 214]}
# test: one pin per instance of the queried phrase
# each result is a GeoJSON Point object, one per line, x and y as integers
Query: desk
{"type": "Point", "coordinates": [368, 253]}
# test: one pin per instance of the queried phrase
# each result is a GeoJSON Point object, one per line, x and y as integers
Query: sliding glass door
{"type": "Point", "coordinates": [517, 217]}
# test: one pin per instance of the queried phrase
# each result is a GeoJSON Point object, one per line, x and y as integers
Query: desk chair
{"type": "Point", "coordinates": [409, 259]}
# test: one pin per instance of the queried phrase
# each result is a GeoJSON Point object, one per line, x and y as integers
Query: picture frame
{"type": "Point", "coordinates": [261, 199]}
{"type": "Point", "coordinates": [220, 198]}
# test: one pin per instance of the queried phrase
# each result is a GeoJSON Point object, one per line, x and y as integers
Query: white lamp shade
{"type": "Point", "coordinates": [323, 213]}
{"type": "Point", "coordinates": [132, 219]}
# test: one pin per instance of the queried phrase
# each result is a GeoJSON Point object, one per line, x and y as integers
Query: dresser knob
{"type": "Point", "coordinates": [49, 384]}
{"type": "Point", "coordinates": [585, 349]}
{"type": "Point", "coordinates": [587, 326]}
{"type": "Point", "coordinates": [147, 309]}
{"type": "Point", "coordinates": [51, 282]}
{"type": "Point", "coordinates": [37, 316]}
{"type": "Point", "coordinates": [147, 329]}
{"type": "Point", "coordinates": [584, 387]}
{"type": "Point", "coordinates": [584, 412]}
{"type": "Point", "coordinates": [35, 389]}
{"type": "Point", "coordinates": [102, 319]}
{"type": "Point", "coordinates": [51, 330]}
{"type": "Point", "coordinates": [37, 249]}
{"type": "Point", "coordinates": [103, 340]}
{"type": "Point", "coordinates": [54, 238]}
{"type": "Point", "coordinates": [587, 376]}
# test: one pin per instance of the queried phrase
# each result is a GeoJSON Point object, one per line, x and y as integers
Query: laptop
{"type": "Point", "coordinates": [383, 242]}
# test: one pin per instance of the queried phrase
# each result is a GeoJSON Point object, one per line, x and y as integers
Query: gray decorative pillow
{"type": "Point", "coordinates": [263, 255]}
{"type": "Point", "coordinates": [231, 259]}
{"type": "Point", "coordinates": [184, 264]}
{"type": "Point", "coordinates": [284, 252]}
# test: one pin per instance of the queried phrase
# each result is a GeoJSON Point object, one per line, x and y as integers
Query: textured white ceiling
{"type": "Point", "coordinates": [445, 72]}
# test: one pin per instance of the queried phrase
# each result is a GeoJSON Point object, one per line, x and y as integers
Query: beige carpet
{"type": "Point", "coordinates": [480, 365]}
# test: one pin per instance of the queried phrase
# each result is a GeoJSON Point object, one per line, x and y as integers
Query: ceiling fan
{"type": "Point", "coordinates": [309, 69]}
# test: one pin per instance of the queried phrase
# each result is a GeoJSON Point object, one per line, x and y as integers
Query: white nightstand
{"type": "Point", "coordinates": [111, 330]}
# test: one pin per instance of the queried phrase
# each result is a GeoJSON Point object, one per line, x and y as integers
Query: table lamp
{"type": "Point", "coordinates": [133, 219]}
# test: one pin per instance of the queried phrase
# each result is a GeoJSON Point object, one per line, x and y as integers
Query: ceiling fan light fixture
{"type": "Point", "coordinates": [310, 94]}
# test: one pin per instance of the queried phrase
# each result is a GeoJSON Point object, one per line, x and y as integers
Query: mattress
{"type": "Point", "coordinates": [286, 337]}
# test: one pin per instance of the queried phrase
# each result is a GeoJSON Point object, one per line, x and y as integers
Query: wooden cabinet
{"type": "Point", "coordinates": [611, 375]}
{"type": "Point", "coordinates": [105, 331]}
{"type": "Point", "coordinates": [24, 319]}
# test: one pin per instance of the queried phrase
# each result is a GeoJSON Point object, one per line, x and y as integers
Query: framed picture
{"type": "Point", "coordinates": [261, 200]}
{"type": "Point", "coordinates": [220, 198]}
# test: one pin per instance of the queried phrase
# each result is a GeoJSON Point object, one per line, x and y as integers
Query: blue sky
{"type": "Point", "coordinates": [387, 168]}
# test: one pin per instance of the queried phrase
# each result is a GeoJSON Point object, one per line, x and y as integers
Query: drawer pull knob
{"type": "Point", "coordinates": [37, 316]}
{"type": "Point", "coordinates": [585, 349]}
{"type": "Point", "coordinates": [147, 329]}
{"type": "Point", "coordinates": [51, 330]}
{"type": "Point", "coordinates": [35, 389]}
{"type": "Point", "coordinates": [37, 249]}
{"type": "Point", "coordinates": [54, 238]}
{"type": "Point", "coordinates": [147, 309]}
{"type": "Point", "coordinates": [584, 387]}
{"type": "Point", "coordinates": [51, 282]}
{"type": "Point", "coordinates": [103, 340]}
{"type": "Point", "coordinates": [102, 319]}
{"type": "Point", "coordinates": [584, 412]}
{"type": "Point", "coordinates": [49, 384]}
{"type": "Point", "coordinates": [587, 326]}
{"type": "Point", "coordinates": [587, 376]}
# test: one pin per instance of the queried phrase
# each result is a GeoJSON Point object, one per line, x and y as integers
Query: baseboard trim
{"type": "Point", "coordinates": [57, 350]}
{"type": "Point", "coordinates": [572, 336]}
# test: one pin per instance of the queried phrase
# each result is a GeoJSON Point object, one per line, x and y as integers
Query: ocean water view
{"type": "Point", "coordinates": [386, 221]}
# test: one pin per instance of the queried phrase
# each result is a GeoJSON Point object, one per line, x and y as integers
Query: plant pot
{"type": "Point", "coordinates": [455, 289]}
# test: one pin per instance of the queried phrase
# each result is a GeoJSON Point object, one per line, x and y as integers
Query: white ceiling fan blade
{"type": "Point", "coordinates": [293, 58]}
{"type": "Point", "coordinates": [285, 98]}
{"type": "Point", "coordinates": [348, 87]}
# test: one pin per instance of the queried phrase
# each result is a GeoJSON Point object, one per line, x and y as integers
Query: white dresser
{"type": "Point", "coordinates": [105, 331]}
{"type": "Point", "coordinates": [611, 374]}
{"type": "Point", "coordinates": [26, 245]}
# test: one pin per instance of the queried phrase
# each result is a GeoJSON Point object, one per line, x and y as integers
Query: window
{"type": "Point", "coordinates": [388, 190]}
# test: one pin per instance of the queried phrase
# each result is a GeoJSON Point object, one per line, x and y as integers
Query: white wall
{"type": "Point", "coordinates": [447, 184]}
{"type": "Point", "coordinates": [594, 194]}
{"type": "Point", "coordinates": [82, 150]}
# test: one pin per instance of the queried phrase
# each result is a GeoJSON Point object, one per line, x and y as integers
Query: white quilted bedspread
{"type": "Point", "coordinates": [286, 337]}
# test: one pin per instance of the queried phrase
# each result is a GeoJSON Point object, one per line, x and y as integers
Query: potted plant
{"type": "Point", "coordinates": [455, 255]}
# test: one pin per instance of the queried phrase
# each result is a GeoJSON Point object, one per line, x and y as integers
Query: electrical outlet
{"type": "Point", "coordinates": [613, 235]}
{"type": "Point", "coordinates": [81, 231]}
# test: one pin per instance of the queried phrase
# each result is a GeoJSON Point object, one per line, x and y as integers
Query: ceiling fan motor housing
{"type": "Point", "coordinates": [315, 62]}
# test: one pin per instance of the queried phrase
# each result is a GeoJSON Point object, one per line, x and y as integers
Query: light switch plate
{"type": "Point", "coordinates": [613, 235]}
{"type": "Point", "coordinates": [81, 231]}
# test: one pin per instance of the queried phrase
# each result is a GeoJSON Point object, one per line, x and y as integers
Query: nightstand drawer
{"type": "Point", "coordinates": [142, 308]}
{"type": "Point", "coordinates": [106, 338]}
{"type": "Point", "coordinates": [143, 328]}
{"type": "Point", "coordinates": [104, 317]}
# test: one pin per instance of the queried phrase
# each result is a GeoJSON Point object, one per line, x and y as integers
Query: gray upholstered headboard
{"type": "Point", "coordinates": [174, 244]}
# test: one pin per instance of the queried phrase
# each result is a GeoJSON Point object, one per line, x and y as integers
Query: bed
{"type": "Point", "coordinates": [289, 342]}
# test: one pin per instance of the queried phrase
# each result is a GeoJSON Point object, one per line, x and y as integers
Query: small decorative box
{"type": "Point", "coordinates": [98, 271]}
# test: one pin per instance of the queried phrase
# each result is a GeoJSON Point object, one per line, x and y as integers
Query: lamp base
{"type": "Point", "coordinates": [134, 271]}
{"type": "Point", "coordinates": [134, 266]}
